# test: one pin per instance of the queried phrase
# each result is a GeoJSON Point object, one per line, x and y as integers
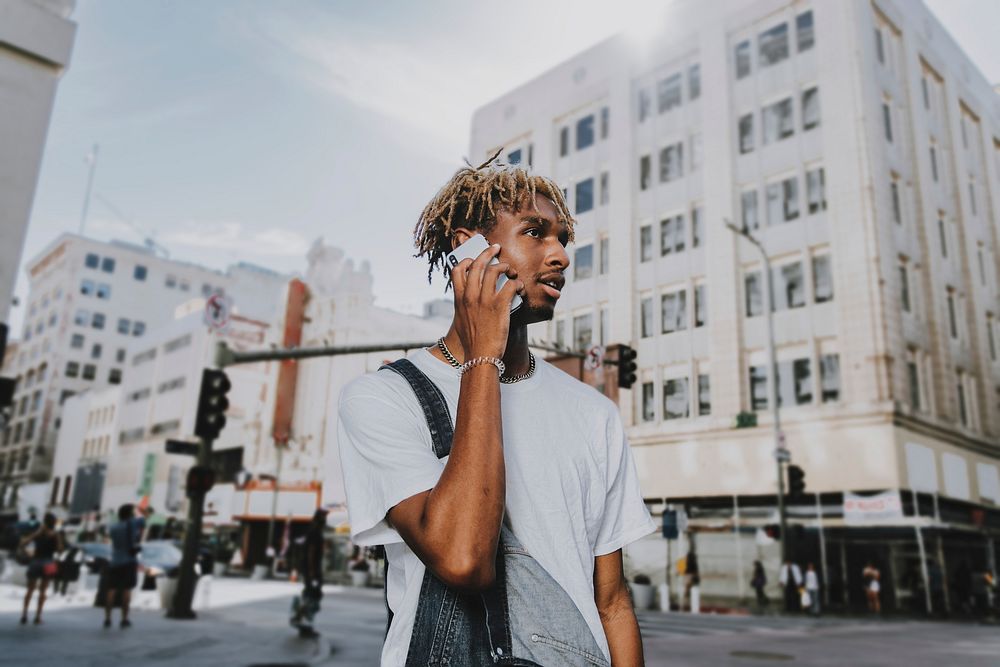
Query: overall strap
{"type": "Point", "coordinates": [432, 401]}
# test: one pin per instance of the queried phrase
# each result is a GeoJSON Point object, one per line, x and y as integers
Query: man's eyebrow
{"type": "Point", "coordinates": [537, 219]}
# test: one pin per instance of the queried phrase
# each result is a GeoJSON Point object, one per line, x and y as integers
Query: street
{"type": "Point", "coordinates": [245, 625]}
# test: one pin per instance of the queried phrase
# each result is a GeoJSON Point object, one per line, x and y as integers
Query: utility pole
{"type": "Point", "coordinates": [781, 455]}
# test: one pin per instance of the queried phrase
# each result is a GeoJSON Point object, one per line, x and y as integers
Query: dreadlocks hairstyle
{"type": "Point", "coordinates": [472, 199]}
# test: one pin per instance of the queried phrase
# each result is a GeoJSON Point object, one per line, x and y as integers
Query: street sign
{"type": "Point", "coordinates": [218, 309]}
{"type": "Point", "coordinates": [782, 455]}
{"type": "Point", "coordinates": [595, 358]}
{"type": "Point", "coordinates": [183, 448]}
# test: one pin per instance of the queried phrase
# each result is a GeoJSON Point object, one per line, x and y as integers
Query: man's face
{"type": "Point", "coordinates": [533, 242]}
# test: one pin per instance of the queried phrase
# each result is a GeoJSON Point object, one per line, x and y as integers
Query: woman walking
{"type": "Point", "coordinates": [43, 567]}
{"type": "Point", "coordinates": [759, 581]}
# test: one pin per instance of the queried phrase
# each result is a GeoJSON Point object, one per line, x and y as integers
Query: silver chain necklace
{"type": "Point", "coordinates": [506, 380]}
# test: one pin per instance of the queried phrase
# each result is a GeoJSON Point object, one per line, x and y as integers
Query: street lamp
{"type": "Point", "coordinates": [781, 455]}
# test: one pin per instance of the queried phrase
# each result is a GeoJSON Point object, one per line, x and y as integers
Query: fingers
{"type": "Point", "coordinates": [459, 276]}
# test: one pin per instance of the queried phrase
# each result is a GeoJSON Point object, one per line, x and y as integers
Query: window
{"type": "Point", "coordinates": [531, 154]}
{"type": "Point", "coordinates": [758, 388]}
{"type": "Point", "coordinates": [816, 190]}
{"type": "Point", "coordinates": [972, 197]}
{"type": "Point", "coordinates": [926, 94]}
{"type": "Point", "coordinates": [782, 201]}
{"type": "Point", "coordinates": [695, 152]}
{"type": "Point", "coordinates": [913, 377]}
{"type": "Point", "coordinates": [804, 31]}
{"type": "Point", "coordinates": [943, 237]}
{"type": "Point", "coordinates": [897, 213]}
{"type": "Point", "coordinates": [754, 294]}
{"type": "Point", "coordinates": [789, 287]}
{"type": "Point", "coordinates": [176, 343]}
{"type": "Point", "coordinates": [829, 377]}
{"type": "Point", "coordinates": [887, 121]}
{"type": "Point", "coordinates": [170, 281]}
{"type": "Point", "coordinates": [120, 355]}
{"type": "Point", "coordinates": [170, 385]}
{"type": "Point", "coordinates": [605, 122]}
{"type": "Point", "coordinates": [674, 311]}
{"type": "Point", "coordinates": [605, 329]}
{"type": "Point", "coordinates": [108, 265]}
{"type": "Point", "coordinates": [777, 121]}
{"type": "Point", "coordinates": [29, 434]}
{"type": "Point", "coordinates": [98, 321]}
{"type": "Point", "coordinates": [138, 328]}
{"type": "Point", "coordinates": [646, 243]}
{"type": "Point", "coordinates": [605, 192]}
{"type": "Point", "coordinates": [82, 317]}
{"type": "Point", "coordinates": [822, 279]}
{"type": "Point", "coordinates": [143, 357]}
{"type": "Point", "coordinates": [583, 262]}
{"type": "Point", "coordinates": [676, 403]}
{"type": "Point", "coordinates": [810, 109]}
{"type": "Point", "coordinates": [139, 272]}
{"type": "Point", "coordinates": [76, 341]}
{"type": "Point", "coordinates": [563, 141]}
{"type": "Point", "coordinates": [879, 48]}
{"type": "Point", "coordinates": [694, 82]}
{"type": "Point", "coordinates": [514, 157]}
{"type": "Point", "coordinates": [700, 306]}
{"type": "Point", "coordinates": [773, 45]}
{"type": "Point", "coordinates": [585, 132]}
{"type": "Point", "coordinates": [583, 331]}
{"type": "Point", "coordinates": [124, 325]}
{"type": "Point", "coordinates": [605, 256]}
{"type": "Point", "coordinates": [644, 104]}
{"type": "Point", "coordinates": [801, 378]}
{"type": "Point", "coordinates": [53, 318]}
{"type": "Point", "coordinates": [138, 395]}
{"type": "Point", "coordinates": [87, 287]}
{"type": "Point", "coordinates": [646, 313]}
{"type": "Point", "coordinates": [671, 162]}
{"type": "Point", "coordinates": [91, 261]}
{"type": "Point", "coordinates": [644, 172]}
{"type": "Point", "coordinates": [991, 336]}
{"type": "Point", "coordinates": [746, 133]}
{"type": "Point", "coordinates": [89, 371]}
{"type": "Point", "coordinates": [103, 291]}
{"type": "Point", "coordinates": [696, 231]}
{"type": "Point", "coordinates": [748, 201]}
{"type": "Point", "coordinates": [584, 195]}
{"type": "Point", "coordinates": [952, 315]}
{"type": "Point", "coordinates": [561, 333]}
{"type": "Point", "coordinates": [963, 413]}
{"type": "Point", "coordinates": [36, 401]}
{"type": "Point", "coordinates": [668, 93]}
{"type": "Point", "coordinates": [95, 351]}
{"type": "Point", "coordinates": [934, 168]}
{"type": "Point", "coordinates": [115, 376]}
{"type": "Point", "coordinates": [648, 410]}
{"type": "Point", "coordinates": [904, 288]}
{"type": "Point", "coordinates": [742, 57]}
{"type": "Point", "coordinates": [672, 235]}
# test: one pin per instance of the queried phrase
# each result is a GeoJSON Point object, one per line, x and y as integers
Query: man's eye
{"type": "Point", "coordinates": [534, 230]}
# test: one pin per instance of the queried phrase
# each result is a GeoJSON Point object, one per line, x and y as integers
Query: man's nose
{"type": "Point", "coordinates": [558, 258]}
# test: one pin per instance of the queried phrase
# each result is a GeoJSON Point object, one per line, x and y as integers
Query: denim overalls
{"type": "Point", "coordinates": [525, 618]}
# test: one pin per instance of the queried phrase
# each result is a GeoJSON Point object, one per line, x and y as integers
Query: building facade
{"type": "Point", "coordinates": [88, 303]}
{"type": "Point", "coordinates": [862, 147]}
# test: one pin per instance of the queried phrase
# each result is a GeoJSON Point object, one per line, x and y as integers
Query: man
{"type": "Point", "coordinates": [474, 446]}
{"type": "Point", "coordinates": [812, 587]}
{"type": "Point", "coordinates": [122, 574]}
{"type": "Point", "coordinates": [305, 607]}
{"type": "Point", "coordinates": [790, 578]}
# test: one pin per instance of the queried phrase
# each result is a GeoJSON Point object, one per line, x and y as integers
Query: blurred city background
{"type": "Point", "coordinates": [788, 217]}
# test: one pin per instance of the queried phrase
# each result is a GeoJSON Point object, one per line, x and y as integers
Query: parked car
{"type": "Point", "coordinates": [160, 558]}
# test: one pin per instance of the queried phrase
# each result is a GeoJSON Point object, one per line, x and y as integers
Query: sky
{"type": "Point", "coordinates": [243, 130]}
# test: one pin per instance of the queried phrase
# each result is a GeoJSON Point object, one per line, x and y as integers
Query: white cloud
{"type": "Point", "coordinates": [235, 239]}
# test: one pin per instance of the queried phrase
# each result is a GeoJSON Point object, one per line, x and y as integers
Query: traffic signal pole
{"type": "Point", "coordinates": [181, 605]}
{"type": "Point", "coordinates": [781, 455]}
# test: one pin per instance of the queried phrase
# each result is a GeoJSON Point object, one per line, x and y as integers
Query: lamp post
{"type": "Point", "coordinates": [781, 455]}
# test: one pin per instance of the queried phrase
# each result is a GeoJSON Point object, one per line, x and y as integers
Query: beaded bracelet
{"type": "Point", "coordinates": [479, 361]}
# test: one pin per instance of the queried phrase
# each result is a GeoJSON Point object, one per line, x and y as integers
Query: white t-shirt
{"type": "Point", "coordinates": [572, 489]}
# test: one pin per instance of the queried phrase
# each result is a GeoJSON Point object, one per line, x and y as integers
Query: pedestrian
{"type": "Point", "coordinates": [812, 588]}
{"type": "Point", "coordinates": [43, 567]}
{"type": "Point", "coordinates": [759, 581]}
{"type": "Point", "coordinates": [790, 578]}
{"type": "Point", "coordinates": [692, 582]}
{"type": "Point", "coordinates": [122, 572]}
{"type": "Point", "coordinates": [502, 488]}
{"type": "Point", "coordinates": [306, 605]}
{"type": "Point", "coordinates": [70, 562]}
{"type": "Point", "coordinates": [873, 587]}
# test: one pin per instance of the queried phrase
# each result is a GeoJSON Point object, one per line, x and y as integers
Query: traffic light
{"type": "Point", "coordinates": [796, 481]}
{"type": "Point", "coordinates": [212, 404]}
{"type": "Point", "coordinates": [200, 479]}
{"type": "Point", "coordinates": [626, 366]}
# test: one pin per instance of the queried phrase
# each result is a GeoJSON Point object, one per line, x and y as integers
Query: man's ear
{"type": "Point", "coordinates": [460, 235]}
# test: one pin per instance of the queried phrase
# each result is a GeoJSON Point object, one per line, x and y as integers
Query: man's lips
{"type": "Point", "coordinates": [551, 291]}
{"type": "Point", "coordinates": [552, 284]}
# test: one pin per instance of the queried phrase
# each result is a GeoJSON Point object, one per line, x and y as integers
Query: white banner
{"type": "Point", "coordinates": [883, 508]}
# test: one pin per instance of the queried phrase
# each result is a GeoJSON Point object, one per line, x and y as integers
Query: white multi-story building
{"type": "Point", "coordinates": [36, 39]}
{"type": "Point", "coordinates": [862, 147]}
{"type": "Point", "coordinates": [89, 301]}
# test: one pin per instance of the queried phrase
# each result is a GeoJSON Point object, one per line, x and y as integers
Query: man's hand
{"type": "Point", "coordinates": [615, 606]}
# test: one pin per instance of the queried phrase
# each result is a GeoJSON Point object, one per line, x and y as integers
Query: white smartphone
{"type": "Point", "coordinates": [471, 249]}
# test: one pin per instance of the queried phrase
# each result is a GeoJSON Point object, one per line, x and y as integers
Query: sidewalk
{"type": "Point", "coordinates": [243, 623]}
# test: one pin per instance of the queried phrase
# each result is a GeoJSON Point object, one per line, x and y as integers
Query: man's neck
{"type": "Point", "coordinates": [515, 357]}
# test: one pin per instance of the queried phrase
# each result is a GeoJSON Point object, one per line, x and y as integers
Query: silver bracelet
{"type": "Point", "coordinates": [479, 361]}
